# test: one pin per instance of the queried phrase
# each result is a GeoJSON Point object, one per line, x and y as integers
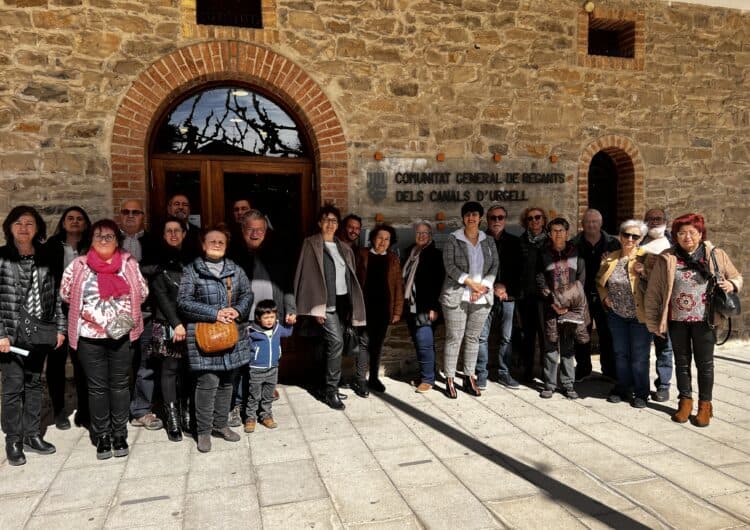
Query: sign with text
{"type": "Point", "coordinates": [406, 180]}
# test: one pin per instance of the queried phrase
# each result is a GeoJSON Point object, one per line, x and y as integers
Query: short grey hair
{"type": "Point", "coordinates": [421, 222]}
{"type": "Point", "coordinates": [635, 223]}
{"type": "Point", "coordinates": [251, 215]}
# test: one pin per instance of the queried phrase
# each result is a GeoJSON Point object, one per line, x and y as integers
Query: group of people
{"type": "Point", "coordinates": [135, 312]}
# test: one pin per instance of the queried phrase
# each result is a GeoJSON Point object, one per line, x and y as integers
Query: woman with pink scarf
{"type": "Point", "coordinates": [105, 290]}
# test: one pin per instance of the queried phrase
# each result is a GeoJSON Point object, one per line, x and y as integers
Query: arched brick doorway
{"type": "Point", "coordinates": [626, 163]}
{"type": "Point", "coordinates": [186, 68]}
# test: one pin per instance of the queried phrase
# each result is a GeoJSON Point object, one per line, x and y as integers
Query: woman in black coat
{"type": "Point", "coordinates": [168, 328]}
{"type": "Point", "coordinates": [71, 239]}
{"type": "Point", "coordinates": [27, 293]}
{"type": "Point", "coordinates": [423, 272]}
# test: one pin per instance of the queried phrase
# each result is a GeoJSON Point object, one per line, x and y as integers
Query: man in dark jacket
{"type": "Point", "coordinates": [503, 307]}
{"type": "Point", "coordinates": [270, 279]}
{"type": "Point", "coordinates": [179, 206]}
{"type": "Point", "coordinates": [592, 244]}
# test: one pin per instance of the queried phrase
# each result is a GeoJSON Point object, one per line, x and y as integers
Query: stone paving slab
{"type": "Point", "coordinates": [404, 460]}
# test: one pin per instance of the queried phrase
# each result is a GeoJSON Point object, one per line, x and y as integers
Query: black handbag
{"type": "Point", "coordinates": [351, 342]}
{"type": "Point", "coordinates": [727, 304]}
{"type": "Point", "coordinates": [32, 331]}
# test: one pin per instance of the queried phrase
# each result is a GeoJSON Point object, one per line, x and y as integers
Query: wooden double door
{"type": "Point", "coordinates": [283, 189]}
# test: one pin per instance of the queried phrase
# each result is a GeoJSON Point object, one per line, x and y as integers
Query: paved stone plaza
{"type": "Point", "coordinates": [507, 459]}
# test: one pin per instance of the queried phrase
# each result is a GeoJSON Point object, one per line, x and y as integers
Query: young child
{"type": "Point", "coordinates": [266, 334]}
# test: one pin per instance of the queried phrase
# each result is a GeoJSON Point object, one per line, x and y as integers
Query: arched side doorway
{"type": "Point", "coordinates": [611, 179]}
{"type": "Point", "coordinates": [158, 87]}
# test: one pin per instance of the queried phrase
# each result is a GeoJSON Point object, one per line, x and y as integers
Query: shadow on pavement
{"type": "Point", "coordinates": [554, 488]}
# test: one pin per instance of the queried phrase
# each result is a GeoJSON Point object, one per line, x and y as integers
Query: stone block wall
{"type": "Point", "coordinates": [408, 78]}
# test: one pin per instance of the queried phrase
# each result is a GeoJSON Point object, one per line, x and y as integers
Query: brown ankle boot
{"type": "Point", "coordinates": [683, 410]}
{"type": "Point", "coordinates": [705, 412]}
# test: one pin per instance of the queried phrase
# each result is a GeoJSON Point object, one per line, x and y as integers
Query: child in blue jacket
{"type": "Point", "coordinates": [266, 334]}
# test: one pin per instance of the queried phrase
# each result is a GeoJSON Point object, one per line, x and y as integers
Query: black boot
{"type": "Point", "coordinates": [61, 420]}
{"type": "Point", "coordinates": [333, 400]}
{"type": "Point", "coordinates": [172, 414]}
{"type": "Point", "coordinates": [14, 452]}
{"type": "Point", "coordinates": [103, 447]}
{"type": "Point", "coordinates": [360, 387]}
{"type": "Point", "coordinates": [120, 446]}
{"type": "Point", "coordinates": [36, 444]}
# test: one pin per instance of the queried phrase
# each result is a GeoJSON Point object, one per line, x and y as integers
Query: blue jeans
{"type": "Point", "coordinates": [424, 343]}
{"type": "Point", "coordinates": [632, 345]}
{"type": "Point", "coordinates": [501, 312]}
{"type": "Point", "coordinates": [664, 363]}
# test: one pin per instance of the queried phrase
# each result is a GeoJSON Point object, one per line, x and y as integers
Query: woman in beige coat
{"type": "Point", "coordinates": [676, 301]}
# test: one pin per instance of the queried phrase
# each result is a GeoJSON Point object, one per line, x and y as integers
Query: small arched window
{"type": "Point", "coordinates": [229, 120]}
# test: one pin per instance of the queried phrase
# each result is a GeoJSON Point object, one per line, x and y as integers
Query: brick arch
{"type": "Point", "coordinates": [630, 174]}
{"type": "Point", "coordinates": [161, 83]}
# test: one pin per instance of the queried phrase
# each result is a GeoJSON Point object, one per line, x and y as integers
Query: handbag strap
{"type": "Point", "coordinates": [229, 291]}
{"type": "Point", "coordinates": [729, 334]}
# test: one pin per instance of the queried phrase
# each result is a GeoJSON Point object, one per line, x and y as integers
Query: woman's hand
{"type": "Point", "coordinates": [321, 320]}
{"type": "Point", "coordinates": [726, 286]}
{"type": "Point", "coordinates": [395, 319]}
{"type": "Point", "coordinates": [559, 310]}
{"type": "Point", "coordinates": [227, 315]}
{"type": "Point", "coordinates": [5, 345]}
{"type": "Point", "coordinates": [477, 287]}
{"type": "Point", "coordinates": [607, 302]}
{"type": "Point", "coordinates": [432, 315]}
{"type": "Point", "coordinates": [290, 319]}
{"type": "Point", "coordinates": [179, 333]}
{"type": "Point", "coordinates": [60, 340]}
{"type": "Point", "coordinates": [639, 268]}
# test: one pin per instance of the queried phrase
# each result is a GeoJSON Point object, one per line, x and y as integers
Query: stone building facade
{"type": "Point", "coordinates": [504, 91]}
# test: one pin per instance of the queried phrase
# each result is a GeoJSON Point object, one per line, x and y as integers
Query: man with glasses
{"type": "Point", "coordinates": [503, 307]}
{"type": "Point", "coordinates": [593, 243]}
{"type": "Point", "coordinates": [533, 220]}
{"type": "Point", "coordinates": [656, 241]}
{"type": "Point", "coordinates": [139, 244]}
{"type": "Point", "coordinates": [270, 279]}
{"type": "Point", "coordinates": [179, 206]}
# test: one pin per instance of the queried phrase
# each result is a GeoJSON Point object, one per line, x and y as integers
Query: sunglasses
{"type": "Point", "coordinates": [125, 211]}
{"type": "Point", "coordinates": [496, 217]}
{"type": "Point", "coordinates": [633, 237]}
{"type": "Point", "coordinates": [533, 218]}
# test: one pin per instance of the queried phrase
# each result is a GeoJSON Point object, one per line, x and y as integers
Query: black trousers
{"type": "Point", "coordinates": [55, 372]}
{"type": "Point", "coordinates": [22, 393]}
{"type": "Point", "coordinates": [371, 341]}
{"type": "Point", "coordinates": [532, 318]}
{"type": "Point", "coordinates": [213, 395]}
{"type": "Point", "coordinates": [174, 380]}
{"type": "Point", "coordinates": [606, 352]}
{"type": "Point", "coordinates": [107, 364]}
{"type": "Point", "coordinates": [693, 340]}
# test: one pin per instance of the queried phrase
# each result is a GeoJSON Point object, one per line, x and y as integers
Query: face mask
{"type": "Point", "coordinates": [657, 232]}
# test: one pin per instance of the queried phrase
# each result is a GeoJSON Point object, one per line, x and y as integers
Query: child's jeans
{"type": "Point", "coordinates": [262, 382]}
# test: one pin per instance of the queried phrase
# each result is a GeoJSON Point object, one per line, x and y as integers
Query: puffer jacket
{"type": "Point", "coordinates": [266, 351]}
{"type": "Point", "coordinates": [12, 296]}
{"type": "Point", "coordinates": [661, 281]}
{"type": "Point", "coordinates": [200, 298]}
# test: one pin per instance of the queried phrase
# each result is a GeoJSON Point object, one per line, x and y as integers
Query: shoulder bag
{"type": "Point", "coordinates": [214, 338]}
{"type": "Point", "coordinates": [30, 330]}
{"type": "Point", "coordinates": [727, 304]}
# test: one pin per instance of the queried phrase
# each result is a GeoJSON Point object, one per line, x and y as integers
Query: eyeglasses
{"type": "Point", "coordinates": [533, 218]}
{"type": "Point", "coordinates": [330, 221]}
{"type": "Point", "coordinates": [558, 231]}
{"type": "Point", "coordinates": [691, 234]}
{"type": "Point", "coordinates": [259, 231]}
{"type": "Point", "coordinates": [107, 238]}
{"type": "Point", "coordinates": [423, 233]}
{"type": "Point", "coordinates": [633, 237]}
{"type": "Point", "coordinates": [654, 219]}
{"type": "Point", "coordinates": [496, 217]}
{"type": "Point", "coordinates": [125, 211]}
{"type": "Point", "coordinates": [187, 204]}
